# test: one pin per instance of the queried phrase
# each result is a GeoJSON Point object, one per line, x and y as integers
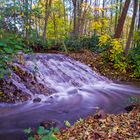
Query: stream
{"type": "Point", "coordinates": [69, 90]}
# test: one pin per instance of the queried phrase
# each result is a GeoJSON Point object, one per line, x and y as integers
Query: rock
{"type": "Point", "coordinates": [130, 108]}
{"type": "Point", "coordinates": [48, 124]}
{"type": "Point", "coordinates": [100, 114]}
{"type": "Point", "coordinates": [36, 100]}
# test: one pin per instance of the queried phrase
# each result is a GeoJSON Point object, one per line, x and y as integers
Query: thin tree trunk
{"type": "Point", "coordinates": [103, 6]}
{"type": "Point", "coordinates": [139, 17]}
{"type": "Point", "coordinates": [82, 20]}
{"type": "Point", "coordinates": [95, 15]}
{"type": "Point", "coordinates": [103, 12]}
{"type": "Point", "coordinates": [120, 9]}
{"type": "Point", "coordinates": [65, 21]}
{"type": "Point", "coordinates": [26, 21]}
{"type": "Point", "coordinates": [121, 21]}
{"type": "Point", "coordinates": [111, 17]}
{"type": "Point", "coordinates": [47, 14]}
{"type": "Point", "coordinates": [116, 15]}
{"type": "Point", "coordinates": [54, 22]}
{"type": "Point", "coordinates": [30, 18]}
{"type": "Point", "coordinates": [131, 27]}
{"type": "Point", "coordinates": [75, 17]}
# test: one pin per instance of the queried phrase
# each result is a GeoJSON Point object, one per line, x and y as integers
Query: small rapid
{"type": "Point", "coordinates": [67, 89]}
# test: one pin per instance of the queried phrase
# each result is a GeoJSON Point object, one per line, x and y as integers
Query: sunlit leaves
{"type": "Point", "coordinates": [67, 123]}
{"type": "Point", "coordinates": [104, 39]}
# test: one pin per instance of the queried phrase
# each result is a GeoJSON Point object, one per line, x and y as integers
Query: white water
{"type": "Point", "coordinates": [74, 91]}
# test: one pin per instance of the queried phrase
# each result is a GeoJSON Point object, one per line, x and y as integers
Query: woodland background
{"type": "Point", "coordinates": [110, 28]}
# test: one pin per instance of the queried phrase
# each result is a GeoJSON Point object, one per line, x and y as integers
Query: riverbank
{"type": "Point", "coordinates": [96, 62]}
{"type": "Point", "coordinates": [101, 126]}
{"type": "Point", "coordinates": [123, 126]}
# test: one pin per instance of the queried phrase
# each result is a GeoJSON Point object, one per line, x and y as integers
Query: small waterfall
{"type": "Point", "coordinates": [67, 89]}
{"type": "Point", "coordinates": [51, 74]}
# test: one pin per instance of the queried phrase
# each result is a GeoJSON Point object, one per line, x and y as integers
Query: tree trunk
{"type": "Point", "coordinates": [103, 6]}
{"type": "Point", "coordinates": [121, 21]}
{"type": "Point", "coordinates": [54, 22]}
{"type": "Point", "coordinates": [65, 21]}
{"type": "Point", "coordinates": [116, 15]}
{"type": "Point", "coordinates": [111, 17]}
{"type": "Point", "coordinates": [75, 17]}
{"type": "Point", "coordinates": [120, 8]}
{"type": "Point", "coordinates": [47, 14]}
{"type": "Point", "coordinates": [83, 19]}
{"type": "Point", "coordinates": [131, 27]}
{"type": "Point", "coordinates": [26, 20]}
{"type": "Point", "coordinates": [139, 17]}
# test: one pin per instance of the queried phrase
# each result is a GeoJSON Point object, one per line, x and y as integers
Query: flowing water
{"type": "Point", "coordinates": [73, 90]}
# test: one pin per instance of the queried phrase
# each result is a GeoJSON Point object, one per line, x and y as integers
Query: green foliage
{"type": "Point", "coordinates": [67, 123]}
{"type": "Point", "coordinates": [51, 42]}
{"type": "Point", "coordinates": [10, 45]}
{"type": "Point", "coordinates": [43, 133]}
{"type": "Point", "coordinates": [36, 42]}
{"type": "Point", "coordinates": [137, 37]}
{"type": "Point", "coordinates": [42, 130]}
{"type": "Point", "coordinates": [116, 56]}
{"type": "Point", "coordinates": [27, 131]}
{"type": "Point", "coordinates": [113, 52]}
{"type": "Point", "coordinates": [75, 44]}
{"type": "Point", "coordinates": [79, 121]}
{"type": "Point", "coordinates": [90, 43]}
{"type": "Point", "coordinates": [72, 43]}
{"type": "Point", "coordinates": [134, 60]}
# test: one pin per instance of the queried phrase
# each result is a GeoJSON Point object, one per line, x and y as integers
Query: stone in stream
{"type": "Point", "coordinates": [48, 124]}
{"type": "Point", "coordinates": [130, 107]}
{"type": "Point", "coordinates": [100, 114]}
{"type": "Point", "coordinates": [36, 100]}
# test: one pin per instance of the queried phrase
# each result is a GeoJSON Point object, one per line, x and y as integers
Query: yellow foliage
{"type": "Point", "coordinates": [97, 25]}
{"type": "Point", "coordinates": [115, 52]}
{"type": "Point", "coordinates": [101, 25]}
{"type": "Point", "coordinates": [104, 39]}
{"type": "Point", "coordinates": [116, 47]}
{"type": "Point", "coordinates": [22, 14]}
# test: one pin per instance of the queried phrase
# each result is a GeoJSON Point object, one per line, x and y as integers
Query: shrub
{"type": "Point", "coordinates": [113, 52]}
{"type": "Point", "coordinates": [75, 44]}
{"type": "Point", "coordinates": [42, 133]}
{"type": "Point", "coordinates": [134, 60]}
{"type": "Point", "coordinates": [36, 42]}
{"type": "Point", "coordinates": [10, 45]}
